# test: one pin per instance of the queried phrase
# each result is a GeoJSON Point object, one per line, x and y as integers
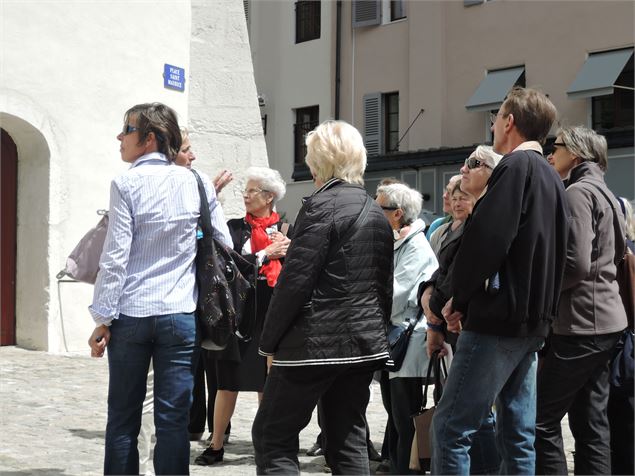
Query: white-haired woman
{"type": "Point", "coordinates": [261, 237]}
{"type": "Point", "coordinates": [414, 262]}
{"type": "Point", "coordinates": [440, 227]}
{"type": "Point", "coordinates": [475, 173]}
{"type": "Point", "coordinates": [326, 324]}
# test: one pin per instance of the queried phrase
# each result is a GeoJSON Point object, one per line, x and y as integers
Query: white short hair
{"type": "Point", "coordinates": [335, 149]}
{"type": "Point", "coordinates": [401, 196]}
{"type": "Point", "coordinates": [485, 153]}
{"type": "Point", "coordinates": [269, 180]}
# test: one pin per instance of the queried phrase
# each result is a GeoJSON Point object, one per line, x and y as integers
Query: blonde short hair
{"type": "Point", "coordinates": [335, 149]}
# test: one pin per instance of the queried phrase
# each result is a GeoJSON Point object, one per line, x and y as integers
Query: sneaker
{"type": "Point", "coordinates": [315, 450]}
{"type": "Point", "coordinates": [210, 456]}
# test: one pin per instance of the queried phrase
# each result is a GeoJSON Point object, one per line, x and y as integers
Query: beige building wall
{"type": "Point", "coordinates": [551, 39]}
{"type": "Point", "coordinates": [290, 76]}
{"type": "Point", "coordinates": [438, 56]}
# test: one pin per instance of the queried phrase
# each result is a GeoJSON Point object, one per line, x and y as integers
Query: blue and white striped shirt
{"type": "Point", "coordinates": [147, 266]}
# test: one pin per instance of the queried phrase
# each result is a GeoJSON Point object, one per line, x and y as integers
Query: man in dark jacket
{"type": "Point", "coordinates": [326, 323]}
{"type": "Point", "coordinates": [506, 282]}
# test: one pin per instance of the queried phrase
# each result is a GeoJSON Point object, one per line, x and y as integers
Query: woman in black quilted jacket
{"type": "Point", "coordinates": [326, 323]}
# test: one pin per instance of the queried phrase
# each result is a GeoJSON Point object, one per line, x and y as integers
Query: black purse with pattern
{"type": "Point", "coordinates": [225, 283]}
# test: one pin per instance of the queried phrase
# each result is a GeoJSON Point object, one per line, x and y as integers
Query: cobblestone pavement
{"type": "Point", "coordinates": [53, 417]}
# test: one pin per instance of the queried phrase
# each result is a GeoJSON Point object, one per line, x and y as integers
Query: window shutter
{"type": "Point", "coordinates": [373, 124]}
{"type": "Point", "coordinates": [366, 13]}
{"type": "Point", "coordinates": [246, 8]}
{"type": "Point", "coordinates": [469, 3]}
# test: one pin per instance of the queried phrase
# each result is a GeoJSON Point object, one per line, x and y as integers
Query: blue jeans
{"type": "Point", "coordinates": [488, 370]}
{"type": "Point", "coordinates": [170, 341]}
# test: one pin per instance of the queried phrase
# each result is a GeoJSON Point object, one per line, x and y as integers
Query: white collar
{"type": "Point", "coordinates": [530, 145]}
{"type": "Point", "coordinates": [148, 157]}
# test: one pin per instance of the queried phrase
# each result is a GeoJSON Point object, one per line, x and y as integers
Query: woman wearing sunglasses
{"type": "Point", "coordinates": [591, 316]}
{"type": "Point", "coordinates": [475, 174]}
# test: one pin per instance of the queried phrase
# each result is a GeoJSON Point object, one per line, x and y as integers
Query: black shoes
{"type": "Point", "coordinates": [210, 456]}
{"type": "Point", "coordinates": [196, 436]}
{"type": "Point", "coordinates": [373, 455]}
{"type": "Point", "coordinates": [315, 450]}
{"type": "Point", "coordinates": [225, 438]}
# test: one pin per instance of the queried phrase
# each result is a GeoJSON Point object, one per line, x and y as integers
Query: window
{"type": "Point", "coordinates": [397, 10]}
{"type": "Point", "coordinates": [615, 110]}
{"type": "Point", "coordinates": [307, 20]}
{"type": "Point", "coordinates": [391, 109]}
{"type": "Point", "coordinates": [306, 119]}
{"type": "Point", "coordinates": [377, 12]}
{"type": "Point", "coordinates": [381, 123]}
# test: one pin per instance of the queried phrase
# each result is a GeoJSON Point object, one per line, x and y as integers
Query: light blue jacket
{"type": "Point", "coordinates": [414, 262]}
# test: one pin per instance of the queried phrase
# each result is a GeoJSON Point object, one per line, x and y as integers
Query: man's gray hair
{"type": "Point", "coordinates": [401, 196]}
{"type": "Point", "coordinates": [269, 180]}
{"type": "Point", "coordinates": [586, 144]}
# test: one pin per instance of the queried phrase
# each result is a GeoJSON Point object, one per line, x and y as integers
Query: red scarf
{"type": "Point", "coordinates": [260, 240]}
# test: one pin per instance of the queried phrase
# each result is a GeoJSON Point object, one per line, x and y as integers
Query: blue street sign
{"type": "Point", "coordinates": [173, 77]}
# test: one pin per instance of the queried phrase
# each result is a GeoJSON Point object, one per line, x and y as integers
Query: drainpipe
{"type": "Point", "coordinates": [338, 57]}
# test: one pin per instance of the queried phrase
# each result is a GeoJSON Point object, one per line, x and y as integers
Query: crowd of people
{"type": "Point", "coordinates": [515, 287]}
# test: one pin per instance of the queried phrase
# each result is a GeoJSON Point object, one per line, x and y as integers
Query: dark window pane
{"type": "Point", "coordinates": [397, 10]}
{"type": "Point", "coordinates": [615, 110]}
{"type": "Point", "coordinates": [307, 119]}
{"type": "Point", "coordinates": [307, 20]}
{"type": "Point", "coordinates": [391, 121]}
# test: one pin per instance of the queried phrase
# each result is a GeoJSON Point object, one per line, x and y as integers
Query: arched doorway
{"type": "Point", "coordinates": [8, 222]}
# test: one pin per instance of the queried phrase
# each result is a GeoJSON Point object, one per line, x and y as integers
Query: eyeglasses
{"type": "Point", "coordinates": [128, 129]}
{"type": "Point", "coordinates": [391, 209]}
{"type": "Point", "coordinates": [253, 191]}
{"type": "Point", "coordinates": [473, 163]}
{"type": "Point", "coordinates": [494, 116]}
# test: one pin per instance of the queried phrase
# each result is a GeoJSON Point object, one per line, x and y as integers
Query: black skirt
{"type": "Point", "coordinates": [240, 368]}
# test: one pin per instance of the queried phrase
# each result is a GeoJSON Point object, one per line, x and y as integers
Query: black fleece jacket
{"type": "Point", "coordinates": [518, 229]}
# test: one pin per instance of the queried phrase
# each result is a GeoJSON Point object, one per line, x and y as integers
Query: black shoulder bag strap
{"type": "Point", "coordinates": [205, 219]}
{"type": "Point", "coordinates": [361, 218]}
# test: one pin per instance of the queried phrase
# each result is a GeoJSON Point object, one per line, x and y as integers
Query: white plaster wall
{"type": "Point", "coordinates": [80, 65]}
{"type": "Point", "coordinates": [290, 76]}
{"type": "Point", "coordinates": [225, 128]}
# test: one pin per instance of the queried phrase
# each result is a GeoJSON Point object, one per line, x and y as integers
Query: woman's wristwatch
{"type": "Point", "coordinates": [435, 327]}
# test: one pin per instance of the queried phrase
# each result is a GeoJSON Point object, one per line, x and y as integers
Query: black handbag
{"type": "Point", "coordinates": [398, 339]}
{"type": "Point", "coordinates": [226, 282]}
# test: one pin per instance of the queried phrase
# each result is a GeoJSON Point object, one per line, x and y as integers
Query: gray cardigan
{"type": "Point", "coordinates": [590, 303]}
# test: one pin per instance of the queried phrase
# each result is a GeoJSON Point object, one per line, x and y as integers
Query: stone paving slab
{"type": "Point", "coordinates": [53, 418]}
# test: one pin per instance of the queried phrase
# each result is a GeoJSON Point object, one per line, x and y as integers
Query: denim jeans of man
{"type": "Point", "coordinates": [291, 394]}
{"type": "Point", "coordinates": [168, 340]}
{"type": "Point", "coordinates": [488, 370]}
{"type": "Point", "coordinates": [574, 379]}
